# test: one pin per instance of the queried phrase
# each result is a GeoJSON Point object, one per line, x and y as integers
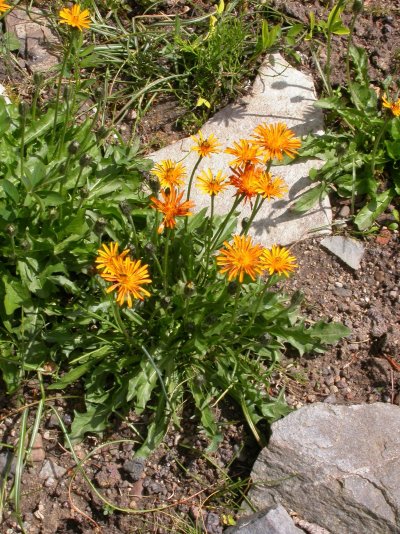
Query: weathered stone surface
{"type": "Point", "coordinates": [337, 466]}
{"type": "Point", "coordinates": [347, 249]}
{"type": "Point", "coordinates": [36, 38]}
{"type": "Point", "coordinates": [51, 470]}
{"type": "Point", "coordinates": [273, 521]}
{"type": "Point", "coordinates": [280, 94]}
{"type": "Point", "coordinates": [3, 93]}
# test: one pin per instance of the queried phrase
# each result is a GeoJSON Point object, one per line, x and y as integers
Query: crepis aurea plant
{"type": "Point", "coordinates": [187, 312]}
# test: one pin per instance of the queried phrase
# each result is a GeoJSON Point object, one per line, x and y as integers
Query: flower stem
{"type": "Point", "coordinates": [209, 237]}
{"type": "Point", "coordinates": [165, 263]}
{"type": "Point", "coordinates": [191, 179]}
{"type": "Point", "coordinates": [225, 221]}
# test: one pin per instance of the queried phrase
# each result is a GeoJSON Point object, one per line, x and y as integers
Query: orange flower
{"type": "Point", "coordinates": [74, 17]}
{"type": "Point", "coordinates": [106, 258]}
{"type": "Point", "coordinates": [278, 260]}
{"type": "Point", "coordinates": [169, 173]}
{"type": "Point", "coordinates": [276, 139]}
{"type": "Point", "coordinates": [246, 153]}
{"type": "Point", "coordinates": [210, 184]}
{"type": "Point", "coordinates": [393, 106]}
{"type": "Point", "coordinates": [240, 258]}
{"type": "Point", "coordinates": [4, 7]}
{"type": "Point", "coordinates": [246, 181]}
{"type": "Point", "coordinates": [205, 147]}
{"type": "Point", "coordinates": [128, 279]}
{"type": "Point", "coordinates": [270, 187]}
{"type": "Point", "coordinates": [171, 206]}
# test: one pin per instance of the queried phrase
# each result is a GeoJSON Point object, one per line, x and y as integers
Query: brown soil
{"type": "Point", "coordinates": [180, 480]}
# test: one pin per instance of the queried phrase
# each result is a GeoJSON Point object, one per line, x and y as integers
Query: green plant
{"type": "Point", "coordinates": [361, 157]}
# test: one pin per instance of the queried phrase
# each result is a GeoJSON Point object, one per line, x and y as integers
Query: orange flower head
{"type": "Point", "coordinates": [278, 260]}
{"type": "Point", "coordinates": [246, 181]}
{"type": "Point", "coordinates": [128, 279]}
{"type": "Point", "coordinates": [206, 146]}
{"type": "Point", "coordinates": [240, 258]}
{"type": "Point", "coordinates": [169, 173]}
{"type": "Point", "coordinates": [270, 187]}
{"type": "Point", "coordinates": [246, 152]}
{"type": "Point", "coordinates": [393, 106]}
{"type": "Point", "coordinates": [75, 17]}
{"type": "Point", "coordinates": [4, 7]}
{"type": "Point", "coordinates": [210, 184]}
{"type": "Point", "coordinates": [171, 206]}
{"type": "Point", "coordinates": [275, 140]}
{"type": "Point", "coordinates": [106, 258]}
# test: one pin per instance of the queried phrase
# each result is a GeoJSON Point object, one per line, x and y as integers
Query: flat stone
{"type": "Point", "coordinates": [36, 38]}
{"type": "Point", "coordinates": [349, 250]}
{"type": "Point", "coordinates": [3, 93]}
{"type": "Point", "coordinates": [273, 521]}
{"type": "Point", "coordinates": [280, 93]}
{"type": "Point", "coordinates": [334, 465]}
{"type": "Point", "coordinates": [38, 454]}
{"type": "Point", "coordinates": [51, 470]}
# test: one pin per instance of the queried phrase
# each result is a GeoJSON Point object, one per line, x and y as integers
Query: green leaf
{"type": "Point", "coordinates": [93, 420]}
{"type": "Point", "coordinates": [360, 61]}
{"type": "Point", "coordinates": [393, 149]}
{"type": "Point", "coordinates": [10, 190]}
{"type": "Point", "coordinates": [309, 198]}
{"type": "Point", "coordinates": [394, 128]}
{"type": "Point", "coordinates": [16, 295]}
{"type": "Point", "coordinates": [71, 376]}
{"type": "Point", "coordinates": [11, 41]}
{"type": "Point", "coordinates": [51, 198]}
{"type": "Point", "coordinates": [363, 97]}
{"type": "Point", "coordinates": [373, 209]}
{"type": "Point", "coordinates": [329, 333]}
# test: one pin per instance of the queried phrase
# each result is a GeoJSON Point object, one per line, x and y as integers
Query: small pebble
{"type": "Point", "coordinates": [333, 389]}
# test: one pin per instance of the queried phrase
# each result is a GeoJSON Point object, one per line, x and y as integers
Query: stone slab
{"type": "Point", "coordinates": [337, 466]}
{"type": "Point", "coordinates": [280, 93]}
{"type": "Point", "coordinates": [36, 38]}
{"type": "Point", "coordinates": [273, 521]}
{"type": "Point", "coordinates": [349, 250]}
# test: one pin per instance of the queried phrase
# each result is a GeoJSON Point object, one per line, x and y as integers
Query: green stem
{"type": "Point", "coordinates": [225, 221]}
{"type": "Point", "coordinates": [329, 48]}
{"type": "Point", "coordinates": [165, 262]}
{"type": "Point", "coordinates": [236, 303]}
{"type": "Point", "coordinates": [22, 146]}
{"type": "Point", "coordinates": [209, 237]}
{"type": "Point", "coordinates": [134, 233]}
{"type": "Point", "coordinates": [118, 318]}
{"type": "Point", "coordinates": [349, 41]}
{"type": "Point", "coordinates": [64, 64]}
{"type": "Point", "coordinates": [376, 145]}
{"type": "Point", "coordinates": [257, 206]}
{"type": "Point", "coordinates": [191, 178]}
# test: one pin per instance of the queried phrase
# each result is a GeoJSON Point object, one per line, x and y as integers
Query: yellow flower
{"type": "Point", "coordinates": [210, 184]}
{"type": "Point", "coordinates": [246, 181]}
{"type": "Point", "coordinates": [4, 7]}
{"type": "Point", "coordinates": [246, 153]}
{"type": "Point", "coordinates": [278, 260]}
{"type": "Point", "coordinates": [73, 16]}
{"type": "Point", "coordinates": [240, 258]}
{"type": "Point", "coordinates": [270, 187]}
{"type": "Point", "coordinates": [276, 139]}
{"type": "Point", "coordinates": [128, 279]}
{"type": "Point", "coordinates": [169, 173]}
{"type": "Point", "coordinates": [393, 106]}
{"type": "Point", "coordinates": [106, 258]}
{"type": "Point", "coordinates": [171, 206]}
{"type": "Point", "coordinates": [206, 146]}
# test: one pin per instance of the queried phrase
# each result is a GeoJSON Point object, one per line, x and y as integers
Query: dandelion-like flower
{"type": "Point", "coordinates": [393, 106]}
{"type": "Point", "coordinates": [169, 173]}
{"type": "Point", "coordinates": [270, 187]}
{"type": "Point", "coordinates": [246, 152]}
{"type": "Point", "coordinates": [278, 260]}
{"type": "Point", "coordinates": [4, 7]}
{"type": "Point", "coordinates": [106, 258]}
{"type": "Point", "coordinates": [275, 140]}
{"type": "Point", "coordinates": [128, 280]}
{"type": "Point", "coordinates": [206, 146]}
{"type": "Point", "coordinates": [246, 181]}
{"type": "Point", "coordinates": [172, 207]}
{"type": "Point", "coordinates": [240, 258]}
{"type": "Point", "coordinates": [210, 184]}
{"type": "Point", "coordinates": [75, 17]}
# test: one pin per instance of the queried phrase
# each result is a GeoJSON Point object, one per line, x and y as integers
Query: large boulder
{"type": "Point", "coordinates": [336, 466]}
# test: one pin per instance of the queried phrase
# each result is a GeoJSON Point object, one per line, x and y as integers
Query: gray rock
{"type": "Point", "coordinates": [337, 466]}
{"type": "Point", "coordinates": [273, 521]}
{"type": "Point", "coordinates": [51, 470]}
{"type": "Point", "coordinates": [134, 468]}
{"type": "Point", "coordinates": [7, 463]}
{"type": "Point", "coordinates": [280, 93]}
{"type": "Point", "coordinates": [347, 249]}
{"type": "Point", "coordinates": [36, 39]}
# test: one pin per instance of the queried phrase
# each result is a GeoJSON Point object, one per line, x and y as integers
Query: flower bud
{"type": "Point", "coordinates": [74, 147]}
{"type": "Point", "coordinates": [38, 78]}
{"type": "Point", "coordinates": [189, 289]}
{"type": "Point", "coordinates": [232, 287]}
{"type": "Point", "coordinates": [100, 224]}
{"type": "Point", "coordinates": [358, 6]}
{"type": "Point", "coordinates": [84, 192]}
{"type": "Point", "coordinates": [85, 160]}
{"type": "Point", "coordinates": [245, 222]}
{"type": "Point", "coordinates": [150, 248]}
{"type": "Point", "coordinates": [102, 133]}
{"type": "Point", "coordinates": [154, 184]}
{"type": "Point", "coordinates": [25, 245]}
{"type": "Point", "coordinates": [11, 230]}
{"type": "Point", "coordinates": [23, 108]}
{"type": "Point", "coordinates": [125, 207]}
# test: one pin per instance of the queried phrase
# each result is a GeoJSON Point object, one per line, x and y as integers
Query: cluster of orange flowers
{"type": "Point", "coordinates": [75, 17]}
{"type": "Point", "coordinates": [4, 7]}
{"type": "Point", "coordinates": [245, 257]}
{"type": "Point", "coordinates": [127, 276]}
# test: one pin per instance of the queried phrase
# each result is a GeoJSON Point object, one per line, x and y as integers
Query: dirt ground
{"type": "Point", "coordinates": [181, 479]}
